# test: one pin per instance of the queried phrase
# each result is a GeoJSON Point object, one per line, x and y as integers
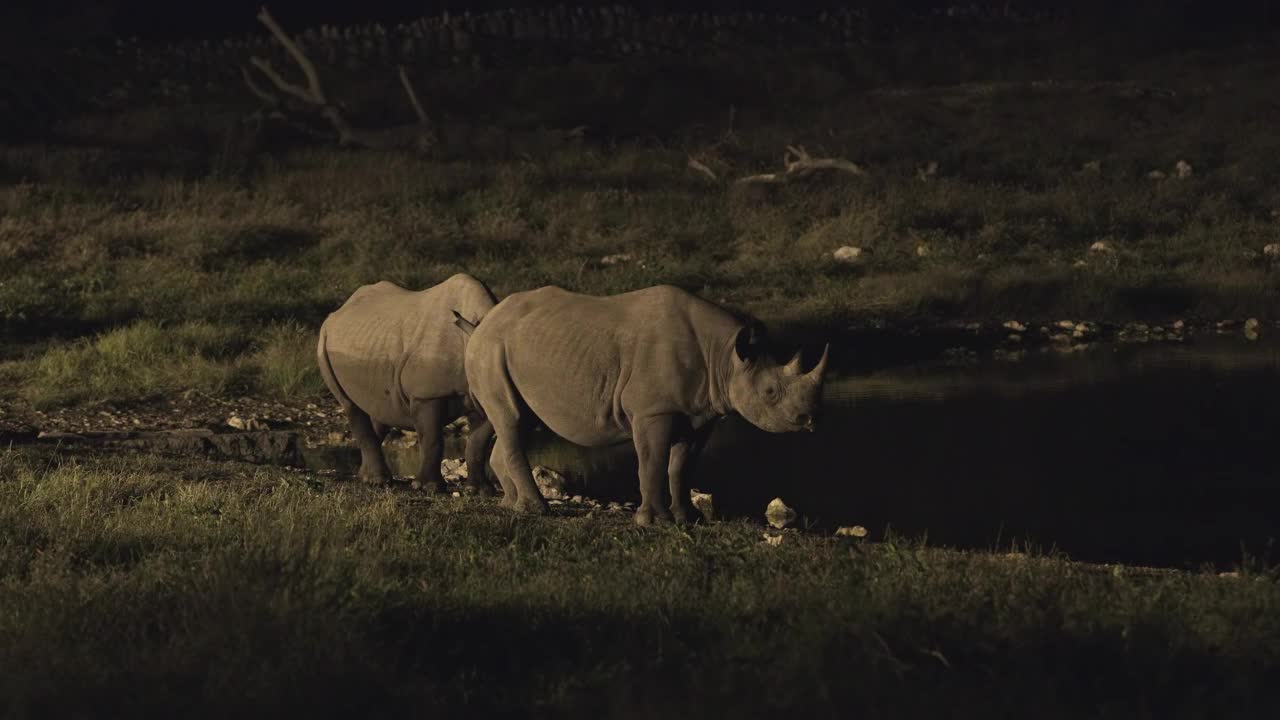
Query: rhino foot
{"type": "Point", "coordinates": [530, 506]}
{"type": "Point", "coordinates": [685, 515]}
{"type": "Point", "coordinates": [508, 501]}
{"type": "Point", "coordinates": [646, 515]}
{"type": "Point", "coordinates": [435, 487]}
{"type": "Point", "coordinates": [374, 478]}
{"type": "Point", "coordinates": [479, 489]}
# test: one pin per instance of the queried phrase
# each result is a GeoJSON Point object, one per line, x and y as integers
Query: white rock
{"type": "Point", "coordinates": [1272, 251]}
{"type": "Point", "coordinates": [923, 250]}
{"type": "Point", "coordinates": [702, 501]}
{"type": "Point", "coordinates": [1102, 247]}
{"type": "Point", "coordinates": [778, 514]}
{"type": "Point", "coordinates": [246, 424]}
{"type": "Point", "coordinates": [772, 539]}
{"type": "Point", "coordinates": [1093, 166]}
{"type": "Point", "coordinates": [848, 255]}
{"type": "Point", "coordinates": [852, 531]}
{"type": "Point", "coordinates": [1182, 169]}
{"type": "Point", "coordinates": [1067, 324]}
{"type": "Point", "coordinates": [1015, 326]}
{"type": "Point", "coordinates": [551, 483]}
{"type": "Point", "coordinates": [453, 469]}
{"type": "Point", "coordinates": [616, 259]}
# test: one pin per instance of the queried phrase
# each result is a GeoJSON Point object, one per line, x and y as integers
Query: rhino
{"type": "Point", "coordinates": [655, 366]}
{"type": "Point", "coordinates": [393, 358]}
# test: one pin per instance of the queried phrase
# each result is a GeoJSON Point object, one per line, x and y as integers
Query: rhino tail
{"type": "Point", "coordinates": [326, 371]}
{"type": "Point", "coordinates": [463, 324]}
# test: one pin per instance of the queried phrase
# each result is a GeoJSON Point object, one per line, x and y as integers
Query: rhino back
{"type": "Point", "coordinates": [586, 364]}
{"type": "Point", "coordinates": [389, 346]}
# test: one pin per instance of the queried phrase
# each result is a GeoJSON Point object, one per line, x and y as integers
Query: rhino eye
{"type": "Point", "coordinates": [771, 393]}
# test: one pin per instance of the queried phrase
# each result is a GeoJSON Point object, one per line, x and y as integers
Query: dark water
{"type": "Point", "coordinates": [1155, 453]}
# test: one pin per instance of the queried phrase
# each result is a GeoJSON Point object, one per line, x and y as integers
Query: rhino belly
{"type": "Point", "coordinates": [586, 426]}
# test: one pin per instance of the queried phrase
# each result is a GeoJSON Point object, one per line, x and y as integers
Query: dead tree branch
{"type": "Point", "coordinates": [419, 136]}
{"type": "Point", "coordinates": [314, 92]}
{"type": "Point", "coordinates": [413, 97]}
{"type": "Point", "coordinates": [797, 163]}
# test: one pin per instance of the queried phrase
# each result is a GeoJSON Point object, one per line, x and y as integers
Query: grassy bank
{"type": "Point", "coordinates": [235, 262]}
{"type": "Point", "coordinates": [146, 587]}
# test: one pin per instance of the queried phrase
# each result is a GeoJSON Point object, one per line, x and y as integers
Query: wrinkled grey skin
{"type": "Point", "coordinates": [655, 366]}
{"type": "Point", "coordinates": [393, 358]}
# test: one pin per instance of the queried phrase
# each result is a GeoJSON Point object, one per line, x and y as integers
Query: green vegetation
{"type": "Point", "coordinates": [94, 240]}
{"type": "Point", "coordinates": [155, 587]}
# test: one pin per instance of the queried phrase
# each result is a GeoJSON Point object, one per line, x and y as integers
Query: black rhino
{"type": "Point", "coordinates": [654, 366]}
{"type": "Point", "coordinates": [393, 358]}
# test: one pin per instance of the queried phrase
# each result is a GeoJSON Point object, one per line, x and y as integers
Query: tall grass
{"type": "Point", "coordinates": [130, 589]}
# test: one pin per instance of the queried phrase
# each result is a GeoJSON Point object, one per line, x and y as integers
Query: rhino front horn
{"type": "Point", "coordinates": [821, 367]}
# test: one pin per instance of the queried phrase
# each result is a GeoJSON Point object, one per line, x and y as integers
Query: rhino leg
{"type": "Point", "coordinates": [509, 493]}
{"type": "Point", "coordinates": [510, 451]}
{"type": "Point", "coordinates": [428, 419]}
{"type": "Point", "coordinates": [373, 465]}
{"type": "Point", "coordinates": [478, 457]}
{"type": "Point", "coordinates": [652, 437]}
{"type": "Point", "coordinates": [685, 450]}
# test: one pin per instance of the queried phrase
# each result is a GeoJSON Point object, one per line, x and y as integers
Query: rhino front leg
{"type": "Point", "coordinates": [428, 419]}
{"type": "Point", "coordinates": [373, 465]}
{"type": "Point", "coordinates": [478, 457]}
{"type": "Point", "coordinates": [685, 451]}
{"type": "Point", "coordinates": [652, 437]}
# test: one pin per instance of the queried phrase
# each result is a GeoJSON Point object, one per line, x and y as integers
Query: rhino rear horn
{"type": "Point", "coordinates": [821, 367]}
{"type": "Point", "coordinates": [793, 367]}
{"type": "Point", "coordinates": [463, 324]}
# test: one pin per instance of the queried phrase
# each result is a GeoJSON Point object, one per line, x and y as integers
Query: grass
{"type": "Point", "coordinates": [147, 587]}
{"type": "Point", "coordinates": [94, 240]}
{"type": "Point", "coordinates": [146, 359]}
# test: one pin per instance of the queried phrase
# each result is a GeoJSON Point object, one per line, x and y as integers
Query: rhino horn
{"type": "Point", "coordinates": [793, 367]}
{"type": "Point", "coordinates": [464, 324]}
{"type": "Point", "coordinates": [816, 372]}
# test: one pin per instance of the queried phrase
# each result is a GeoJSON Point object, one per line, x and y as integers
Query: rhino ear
{"type": "Point", "coordinates": [746, 344]}
{"type": "Point", "coordinates": [463, 324]}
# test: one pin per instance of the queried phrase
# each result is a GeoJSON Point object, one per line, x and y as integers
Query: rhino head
{"type": "Point", "coordinates": [773, 397]}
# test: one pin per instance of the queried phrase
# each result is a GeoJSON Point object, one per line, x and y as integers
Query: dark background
{"type": "Point", "coordinates": [61, 21]}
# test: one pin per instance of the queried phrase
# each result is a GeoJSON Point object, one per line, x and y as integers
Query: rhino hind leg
{"type": "Point", "coordinates": [477, 453]}
{"type": "Point", "coordinates": [373, 465]}
{"type": "Point", "coordinates": [515, 465]}
{"type": "Point", "coordinates": [509, 493]}
{"type": "Point", "coordinates": [428, 420]}
{"type": "Point", "coordinates": [652, 437]}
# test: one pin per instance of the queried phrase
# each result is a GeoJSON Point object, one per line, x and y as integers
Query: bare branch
{"type": "Point", "coordinates": [701, 167]}
{"type": "Point", "coordinates": [263, 95]}
{"type": "Point", "coordinates": [285, 85]}
{"type": "Point", "coordinates": [313, 79]}
{"type": "Point", "coordinates": [800, 163]}
{"type": "Point", "coordinates": [797, 163]}
{"type": "Point", "coordinates": [413, 97]}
